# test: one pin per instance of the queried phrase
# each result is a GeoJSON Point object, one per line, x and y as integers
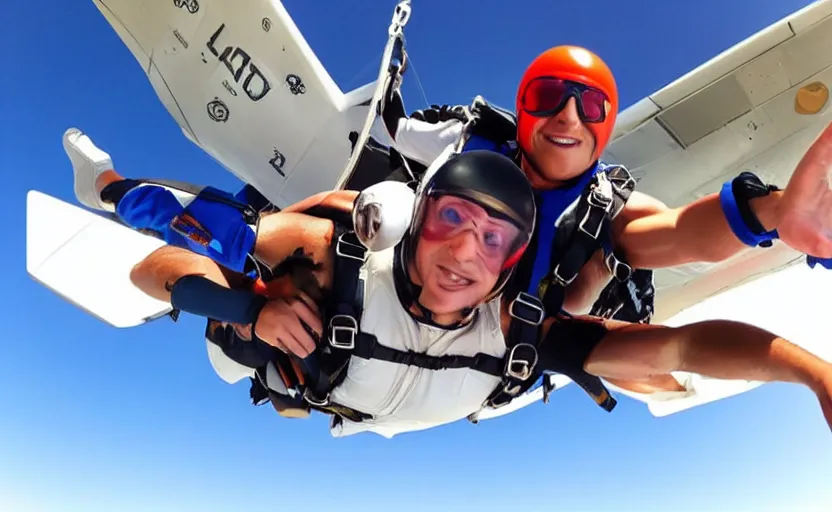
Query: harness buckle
{"type": "Point", "coordinates": [349, 250]}
{"type": "Point", "coordinates": [599, 198]}
{"type": "Point", "coordinates": [526, 308]}
{"type": "Point", "coordinates": [521, 362]}
{"type": "Point", "coordinates": [310, 397]}
{"type": "Point", "coordinates": [621, 179]}
{"type": "Point", "coordinates": [620, 270]}
{"type": "Point", "coordinates": [343, 324]}
{"type": "Point", "coordinates": [559, 279]}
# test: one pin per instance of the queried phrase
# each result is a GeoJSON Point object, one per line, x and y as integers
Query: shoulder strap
{"type": "Point", "coordinates": [598, 205]}
{"type": "Point", "coordinates": [520, 369]}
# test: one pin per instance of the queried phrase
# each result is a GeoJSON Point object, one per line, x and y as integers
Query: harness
{"type": "Point", "coordinates": [343, 339]}
{"type": "Point", "coordinates": [518, 369]}
{"type": "Point", "coordinates": [578, 237]}
{"type": "Point", "coordinates": [586, 229]}
{"type": "Point", "coordinates": [581, 232]}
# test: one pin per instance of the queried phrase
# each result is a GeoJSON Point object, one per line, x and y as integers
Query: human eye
{"type": "Point", "coordinates": [450, 214]}
{"type": "Point", "coordinates": [493, 239]}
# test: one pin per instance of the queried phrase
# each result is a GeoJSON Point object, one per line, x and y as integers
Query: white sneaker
{"type": "Point", "coordinates": [88, 162]}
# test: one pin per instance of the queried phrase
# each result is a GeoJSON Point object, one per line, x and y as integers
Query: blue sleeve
{"type": "Point", "coordinates": [199, 296]}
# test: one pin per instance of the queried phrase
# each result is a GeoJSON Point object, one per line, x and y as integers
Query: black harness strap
{"type": "Point", "coordinates": [520, 367]}
{"type": "Point", "coordinates": [598, 205]}
{"type": "Point", "coordinates": [367, 347]}
{"type": "Point", "coordinates": [343, 311]}
{"type": "Point", "coordinates": [565, 350]}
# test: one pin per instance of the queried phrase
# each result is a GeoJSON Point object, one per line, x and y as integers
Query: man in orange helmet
{"type": "Point", "coordinates": [592, 225]}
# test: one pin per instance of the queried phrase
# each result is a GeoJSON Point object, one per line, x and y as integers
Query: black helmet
{"type": "Point", "coordinates": [490, 180]}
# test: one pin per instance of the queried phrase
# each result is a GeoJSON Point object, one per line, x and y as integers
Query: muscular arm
{"type": "Point", "coordinates": [697, 232]}
{"type": "Point", "coordinates": [331, 199]}
{"type": "Point", "coordinates": [717, 348]}
{"type": "Point", "coordinates": [280, 234]}
{"type": "Point", "coordinates": [584, 290]}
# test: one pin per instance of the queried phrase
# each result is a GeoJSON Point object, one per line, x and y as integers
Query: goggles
{"type": "Point", "coordinates": [496, 240]}
{"type": "Point", "coordinates": [546, 96]}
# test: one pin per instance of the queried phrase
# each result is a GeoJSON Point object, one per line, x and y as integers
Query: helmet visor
{"type": "Point", "coordinates": [496, 239]}
{"type": "Point", "coordinates": [546, 96]}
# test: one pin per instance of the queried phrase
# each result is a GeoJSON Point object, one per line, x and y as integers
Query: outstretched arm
{"type": "Point", "coordinates": [697, 232]}
{"type": "Point", "coordinates": [717, 348]}
{"type": "Point", "coordinates": [701, 231]}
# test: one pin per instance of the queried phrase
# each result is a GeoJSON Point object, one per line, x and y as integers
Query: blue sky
{"type": "Point", "coordinates": [94, 418]}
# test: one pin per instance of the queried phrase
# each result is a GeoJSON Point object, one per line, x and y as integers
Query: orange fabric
{"type": "Point", "coordinates": [277, 288]}
{"type": "Point", "coordinates": [579, 65]}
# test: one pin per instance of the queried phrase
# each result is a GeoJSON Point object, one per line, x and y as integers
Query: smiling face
{"type": "Point", "coordinates": [460, 254]}
{"type": "Point", "coordinates": [566, 105]}
{"type": "Point", "coordinates": [560, 147]}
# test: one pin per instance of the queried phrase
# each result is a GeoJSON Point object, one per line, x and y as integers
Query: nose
{"type": "Point", "coordinates": [569, 114]}
{"type": "Point", "coordinates": [463, 247]}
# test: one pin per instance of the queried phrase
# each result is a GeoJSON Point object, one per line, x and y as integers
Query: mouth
{"type": "Point", "coordinates": [561, 141]}
{"type": "Point", "coordinates": [452, 281]}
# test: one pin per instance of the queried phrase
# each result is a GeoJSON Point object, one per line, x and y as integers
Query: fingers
{"type": "Point", "coordinates": [308, 313]}
{"type": "Point", "coordinates": [280, 325]}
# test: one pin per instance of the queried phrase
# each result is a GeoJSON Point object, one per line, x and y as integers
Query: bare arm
{"type": "Point", "coordinates": [697, 232]}
{"type": "Point", "coordinates": [584, 290]}
{"type": "Point", "coordinates": [717, 348]}
{"type": "Point", "coordinates": [280, 321]}
{"type": "Point", "coordinates": [279, 236]}
{"type": "Point", "coordinates": [334, 199]}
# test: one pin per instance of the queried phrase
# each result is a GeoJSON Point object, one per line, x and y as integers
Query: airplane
{"type": "Point", "coordinates": [243, 85]}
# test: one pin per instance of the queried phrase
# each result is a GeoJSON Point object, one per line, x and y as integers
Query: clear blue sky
{"type": "Point", "coordinates": [94, 418]}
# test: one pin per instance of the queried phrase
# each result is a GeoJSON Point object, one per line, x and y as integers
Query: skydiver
{"type": "Point", "coordinates": [567, 104]}
{"type": "Point", "coordinates": [565, 110]}
{"type": "Point", "coordinates": [434, 339]}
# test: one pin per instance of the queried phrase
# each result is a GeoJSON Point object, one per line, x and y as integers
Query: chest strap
{"type": "Point", "coordinates": [598, 205]}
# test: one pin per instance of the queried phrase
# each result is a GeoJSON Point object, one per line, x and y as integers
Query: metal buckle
{"type": "Point", "coordinates": [310, 397]}
{"type": "Point", "coordinates": [621, 178]}
{"type": "Point", "coordinates": [349, 325]}
{"type": "Point", "coordinates": [559, 279]}
{"type": "Point", "coordinates": [599, 197]}
{"type": "Point", "coordinates": [518, 368]}
{"type": "Point", "coordinates": [529, 301]}
{"type": "Point", "coordinates": [360, 250]}
{"type": "Point", "coordinates": [620, 270]}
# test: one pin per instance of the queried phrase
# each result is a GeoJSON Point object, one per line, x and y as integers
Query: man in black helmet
{"type": "Point", "coordinates": [417, 335]}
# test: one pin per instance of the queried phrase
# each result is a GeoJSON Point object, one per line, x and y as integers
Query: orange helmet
{"type": "Point", "coordinates": [582, 74]}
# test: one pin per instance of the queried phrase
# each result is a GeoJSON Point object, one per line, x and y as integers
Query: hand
{"type": "Point", "coordinates": [281, 324]}
{"type": "Point", "coordinates": [805, 210]}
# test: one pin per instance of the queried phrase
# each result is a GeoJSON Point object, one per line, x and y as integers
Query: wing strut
{"type": "Point", "coordinates": [390, 71]}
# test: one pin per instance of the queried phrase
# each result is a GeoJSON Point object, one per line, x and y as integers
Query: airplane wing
{"type": "Point", "coordinates": [757, 106]}
{"type": "Point", "coordinates": [244, 85]}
